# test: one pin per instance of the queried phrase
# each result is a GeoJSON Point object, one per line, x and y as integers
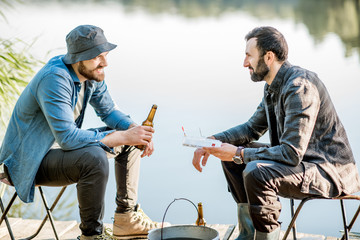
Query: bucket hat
{"type": "Point", "coordinates": [86, 42]}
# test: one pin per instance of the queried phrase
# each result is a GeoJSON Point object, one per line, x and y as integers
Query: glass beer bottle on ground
{"type": "Point", "coordinates": [200, 221]}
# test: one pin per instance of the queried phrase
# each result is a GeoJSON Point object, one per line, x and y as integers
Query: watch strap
{"type": "Point", "coordinates": [238, 151]}
{"type": "Point", "coordinates": [238, 159]}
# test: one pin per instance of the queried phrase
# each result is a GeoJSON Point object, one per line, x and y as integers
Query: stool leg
{"type": "Point", "coordinates": [346, 232]}
{"type": "Point", "coordinates": [4, 217]}
{"type": "Point", "coordinates": [5, 212]}
{"type": "Point", "coordinates": [351, 224]}
{"type": "Point", "coordinates": [292, 215]}
{"type": "Point", "coordinates": [47, 215]}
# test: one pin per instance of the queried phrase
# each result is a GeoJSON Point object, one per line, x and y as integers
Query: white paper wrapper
{"type": "Point", "coordinates": [200, 142]}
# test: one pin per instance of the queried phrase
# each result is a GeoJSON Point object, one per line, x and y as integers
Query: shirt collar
{"type": "Point", "coordinates": [277, 82]}
{"type": "Point", "coordinates": [73, 75]}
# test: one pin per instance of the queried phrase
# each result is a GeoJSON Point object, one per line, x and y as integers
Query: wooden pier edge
{"type": "Point", "coordinates": [69, 230]}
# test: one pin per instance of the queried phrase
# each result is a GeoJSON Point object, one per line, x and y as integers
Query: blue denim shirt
{"type": "Point", "coordinates": [44, 113]}
{"type": "Point", "coordinates": [304, 128]}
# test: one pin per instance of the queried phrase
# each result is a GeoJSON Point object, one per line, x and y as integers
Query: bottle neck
{"type": "Point", "coordinates": [150, 118]}
{"type": "Point", "coordinates": [200, 209]}
{"type": "Point", "coordinates": [151, 115]}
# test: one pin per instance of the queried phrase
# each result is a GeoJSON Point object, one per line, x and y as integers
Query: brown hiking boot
{"type": "Point", "coordinates": [133, 225]}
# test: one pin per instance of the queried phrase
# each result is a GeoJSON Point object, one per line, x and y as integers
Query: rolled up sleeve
{"type": "Point", "coordinates": [54, 94]}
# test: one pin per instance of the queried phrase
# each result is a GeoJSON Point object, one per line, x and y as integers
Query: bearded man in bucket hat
{"type": "Point", "coordinates": [45, 145]}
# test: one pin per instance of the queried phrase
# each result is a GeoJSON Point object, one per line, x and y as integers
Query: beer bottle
{"type": "Point", "coordinates": [148, 122]}
{"type": "Point", "coordinates": [200, 221]}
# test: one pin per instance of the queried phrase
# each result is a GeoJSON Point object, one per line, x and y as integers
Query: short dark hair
{"type": "Point", "coordinates": [269, 39]}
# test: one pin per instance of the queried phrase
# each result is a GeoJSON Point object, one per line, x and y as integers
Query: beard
{"type": "Point", "coordinates": [91, 74]}
{"type": "Point", "coordinates": [261, 71]}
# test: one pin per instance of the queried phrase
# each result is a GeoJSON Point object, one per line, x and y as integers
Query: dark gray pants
{"type": "Point", "coordinates": [89, 168]}
{"type": "Point", "coordinates": [259, 183]}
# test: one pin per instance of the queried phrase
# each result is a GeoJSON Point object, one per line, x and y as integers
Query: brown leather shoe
{"type": "Point", "coordinates": [133, 225]}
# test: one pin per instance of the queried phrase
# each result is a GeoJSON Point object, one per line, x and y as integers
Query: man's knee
{"type": "Point", "coordinates": [256, 172]}
{"type": "Point", "coordinates": [95, 160]}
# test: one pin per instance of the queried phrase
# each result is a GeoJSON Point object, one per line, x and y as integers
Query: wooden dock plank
{"type": "Point", "coordinates": [72, 233]}
{"type": "Point", "coordinates": [229, 232]}
{"type": "Point", "coordinates": [69, 230]}
{"type": "Point", "coordinates": [26, 227]}
{"type": "Point", "coordinates": [235, 233]}
{"type": "Point", "coordinates": [224, 230]}
{"type": "Point", "coordinates": [75, 231]}
{"type": "Point", "coordinates": [3, 228]}
{"type": "Point", "coordinates": [300, 236]}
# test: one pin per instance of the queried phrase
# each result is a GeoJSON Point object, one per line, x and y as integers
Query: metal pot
{"type": "Point", "coordinates": [187, 232]}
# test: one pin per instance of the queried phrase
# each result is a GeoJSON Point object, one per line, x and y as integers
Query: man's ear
{"type": "Point", "coordinates": [269, 58]}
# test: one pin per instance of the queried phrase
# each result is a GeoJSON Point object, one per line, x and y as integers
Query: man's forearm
{"type": "Point", "coordinates": [114, 139]}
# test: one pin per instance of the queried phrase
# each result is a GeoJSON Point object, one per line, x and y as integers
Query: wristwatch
{"type": "Point", "coordinates": [238, 159]}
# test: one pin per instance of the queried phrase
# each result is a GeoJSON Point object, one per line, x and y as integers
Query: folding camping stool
{"type": "Point", "coordinates": [347, 227]}
{"type": "Point", "coordinates": [3, 179]}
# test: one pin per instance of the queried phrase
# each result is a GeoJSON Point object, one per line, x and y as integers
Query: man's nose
{"type": "Point", "coordinates": [246, 62]}
{"type": "Point", "coordinates": [103, 62]}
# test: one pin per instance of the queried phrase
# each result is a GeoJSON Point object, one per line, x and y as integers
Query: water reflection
{"type": "Point", "coordinates": [321, 17]}
{"type": "Point", "coordinates": [339, 17]}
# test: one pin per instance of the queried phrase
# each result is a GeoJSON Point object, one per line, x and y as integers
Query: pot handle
{"type": "Point", "coordinates": [176, 199]}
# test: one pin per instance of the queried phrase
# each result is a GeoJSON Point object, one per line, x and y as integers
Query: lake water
{"type": "Point", "coordinates": [186, 57]}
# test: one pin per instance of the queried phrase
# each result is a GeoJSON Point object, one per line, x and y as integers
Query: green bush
{"type": "Point", "coordinates": [16, 68]}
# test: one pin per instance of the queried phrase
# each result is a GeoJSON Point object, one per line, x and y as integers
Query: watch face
{"type": "Point", "coordinates": [237, 160]}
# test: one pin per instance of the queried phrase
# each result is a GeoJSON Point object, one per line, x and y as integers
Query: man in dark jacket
{"type": "Point", "coordinates": [309, 152]}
